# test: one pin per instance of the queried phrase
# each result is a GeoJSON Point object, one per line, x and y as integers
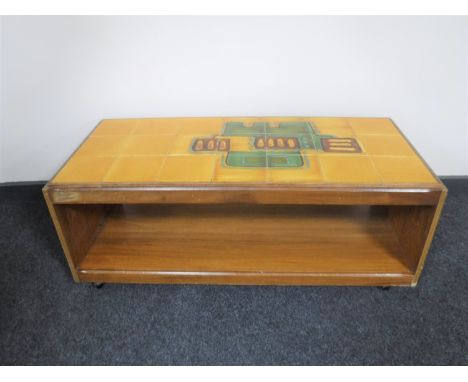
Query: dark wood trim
{"type": "Point", "coordinates": [243, 194]}
{"type": "Point", "coordinates": [430, 235]}
{"type": "Point", "coordinates": [227, 278]}
{"type": "Point", "coordinates": [61, 234]}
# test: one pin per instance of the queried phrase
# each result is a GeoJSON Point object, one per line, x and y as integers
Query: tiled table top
{"type": "Point", "coordinates": [296, 150]}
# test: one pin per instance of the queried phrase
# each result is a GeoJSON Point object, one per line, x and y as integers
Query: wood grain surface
{"type": "Point", "coordinates": [257, 242]}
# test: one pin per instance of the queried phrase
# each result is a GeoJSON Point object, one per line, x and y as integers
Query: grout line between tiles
{"type": "Point", "coordinates": [113, 164]}
{"type": "Point", "coordinates": [322, 172]}
{"type": "Point", "coordinates": [135, 127]}
{"type": "Point", "coordinates": [319, 165]}
{"type": "Point", "coordinates": [215, 162]}
{"type": "Point", "coordinates": [376, 169]}
{"type": "Point", "coordinates": [158, 175]}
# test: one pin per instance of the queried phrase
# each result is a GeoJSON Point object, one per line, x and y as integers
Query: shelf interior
{"type": "Point", "coordinates": [254, 239]}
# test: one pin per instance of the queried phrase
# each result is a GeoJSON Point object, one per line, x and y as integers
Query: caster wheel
{"type": "Point", "coordinates": [384, 288]}
{"type": "Point", "coordinates": [98, 285]}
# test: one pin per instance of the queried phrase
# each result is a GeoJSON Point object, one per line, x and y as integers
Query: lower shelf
{"type": "Point", "coordinates": [249, 244]}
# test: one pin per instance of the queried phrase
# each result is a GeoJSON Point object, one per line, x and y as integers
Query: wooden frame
{"type": "Point", "coordinates": [207, 233]}
{"type": "Point", "coordinates": [80, 214]}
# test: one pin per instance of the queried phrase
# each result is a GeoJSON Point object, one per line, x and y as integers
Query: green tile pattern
{"type": "Point", "coordinates": [262, 158]}
{"type": "Point", "coordinates": [304, 132]}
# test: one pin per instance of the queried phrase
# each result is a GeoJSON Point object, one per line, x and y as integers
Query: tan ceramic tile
{"type": "Point", "coordinates": [105, 145]}
{"type": "Point", "coordinates": [84, 170]}
{"type": "Point", "coordinates": [183, 144]}
{"type": "Point", "coordinates": [152, 126]}
{"type": "Point", "coordinates": [135, 169]}
{"type": "Point", "coordinates": [326, 123]}
{"type": "Point", "coordinates": [385, 145]}
{"type": "Point", "coordinates": [340, 132]}
{"type": "Point", "coordinates": [240, 143]}
{"type": "Point", "coordinates": [365, 126]}
{"type": "Point", "coordinates": [201, 126]}
{"type": "Point", "coordinates": [333, 154]}
{"type": "Point", "coordinates": [403, 170]}
{"type": "Point", "coordinates": [338, 127]}
{"type": "Point", "coordinates": [115, 127]}
{"type": "Point", "coordinates": [239, 174]}
{"type": "Point", "coordinates": [188, 168]}
{"type": "Point", "coordinates": [348, 169]}
{"type": "Point", "coordinates": [310, 173]}
{"type": "Point", "coordinates": [148, 144]}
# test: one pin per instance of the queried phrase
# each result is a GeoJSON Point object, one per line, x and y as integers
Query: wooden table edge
{"type": "Point", "coordinates": [242, 193]}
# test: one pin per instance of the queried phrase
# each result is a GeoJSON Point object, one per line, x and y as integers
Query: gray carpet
{"type": "Point", "coordinates": [47, 319]}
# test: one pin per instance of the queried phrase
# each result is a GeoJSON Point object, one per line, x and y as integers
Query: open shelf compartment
{"type": "Point", "coordinates": [245, 243]}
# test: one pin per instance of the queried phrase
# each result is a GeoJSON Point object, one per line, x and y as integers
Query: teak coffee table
{"type": "Point", "coordinates": [305, 201]}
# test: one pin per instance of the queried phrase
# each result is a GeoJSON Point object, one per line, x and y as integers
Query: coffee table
{"type": "Point", "coordinates": [257, 200]}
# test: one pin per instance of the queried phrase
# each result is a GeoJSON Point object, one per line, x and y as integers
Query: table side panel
{"type": "Point", "coordinates": [77, 226]}
{"type": "Point", "coordinates": [433, 222]}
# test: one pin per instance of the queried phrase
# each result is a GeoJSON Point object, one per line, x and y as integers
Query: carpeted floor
{"type": "Point", "coordinates": [45, 318]}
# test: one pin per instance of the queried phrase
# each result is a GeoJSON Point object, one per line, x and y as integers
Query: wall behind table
{"type": "Point", "coordinates": [61, 75]}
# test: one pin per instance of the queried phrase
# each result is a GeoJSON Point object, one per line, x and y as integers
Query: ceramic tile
{"type": "Point", "coordinates": [306, 135]}
{"type": "Point", "coordinates": [245, 159]}
{"type": "Point", "coordinates": [274, 143]}
{"type": "Point", "coordinates": [241, 143]}
{"type": "Point", "coordinates": [308, 173]}
{"type": "Point", "coordinates": [366, 126]}
{"type": "Point", "coordinates": [385, 145]}
{"type": "Point", "coordinates": [243, 128]}
{"type": "Point", "coordinates": [339, 131]}
{"type": "Point", "coordinates": [326, 123]}
{"type": "Point", "coordinates": [84, 170]}
{"type": "Point", "coordinates": [201, 126]}
{"type": "Point", "coordinates": [152, 126]}
{"type": "Point", "coordinates": [267, 149]}
{"type": "Point", "coordinates": [350, 146]}
{"type": "Point", "coordinates": [148, 144]}
{"type": "Point", "coordinates": [290, 129]}
{"type": "Point", "coordinates": [135, 169]}
{"type": "Point", "coordinates": [183, 145]}
{"type": "Point", "coordinates": [271, 142]}
{"type": "Point", "coordinates": [285, 159]}
{"type": "Point", "coordinates": [188, 168]}
{"type": "Point", "coordinates": [96, 146]}
{"type": "Point", "coordinates": [333, 154]}
{"type": "Point", "coordinates": [239, 174]}
{"type": "Point", "coordinates": [115, 127]}
{"type": "Point", "coordinates": [275, 121]}
{"type": "Point", "coordinates": [403, 170]}
{"type": "Point", "coordinates": [348, 169]}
